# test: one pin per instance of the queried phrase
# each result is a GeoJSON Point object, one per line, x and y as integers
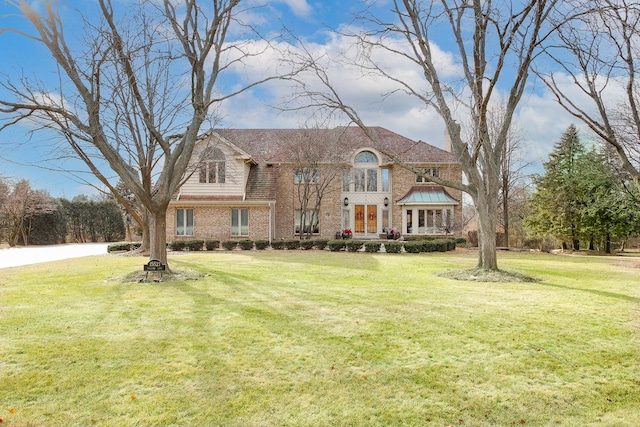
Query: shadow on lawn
{"type": "Point", "coordinates": [594, 291]}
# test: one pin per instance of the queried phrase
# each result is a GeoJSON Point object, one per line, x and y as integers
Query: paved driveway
{"type": "Point", "coordinates": [14, 257]}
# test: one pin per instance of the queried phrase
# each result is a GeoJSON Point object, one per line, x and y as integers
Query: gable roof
{"type": "Point", "coordinates": [274, 145]}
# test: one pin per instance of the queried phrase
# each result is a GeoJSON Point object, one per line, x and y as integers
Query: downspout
{"type": "Point", "coordinates": [270, 222]}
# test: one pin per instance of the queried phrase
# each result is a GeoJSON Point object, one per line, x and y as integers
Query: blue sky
{"type": "Point", "coordinates": [541, 120]}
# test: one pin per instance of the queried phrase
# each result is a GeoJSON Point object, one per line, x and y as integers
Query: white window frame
{"type": "Point", "coordinates": [239, 222]}
{"type": "Point", "coordinates": [184, 229]}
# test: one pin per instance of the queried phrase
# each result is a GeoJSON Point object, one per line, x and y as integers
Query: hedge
{"type": "Point", "coordinates": [414, 247]}
{"type": "Point", "coordinates": [230, 244]}
{"type": "Point", "coordinates": [277, 244]}
{"type": "Point", "coordinates": [336, 245]}
{"type": "Point", "coordinates": [372, 247]}
{"type": "Point", "coordinates": [178, 245]}
{"type": "Point", "coordinates": [262, 244]}
{"type": "Point", "coordinates": [292, 243]}
{"type": "Point", "coordinates": [194, 245]}
{"type": "Point", "coordinates": [307, 244]}
{"type": "Point", "coordinates": [354, 245]}
{"type": "Point", "coordinates": [393, 247]}
{"type": "Point", "coordinates": [246, 245]}
{"type": "Point", "coordinates": [321, 243]}
{"type": "Point", "coordinates": [123, 246]}
{"type": "Point", "coordinates": [212, 245]}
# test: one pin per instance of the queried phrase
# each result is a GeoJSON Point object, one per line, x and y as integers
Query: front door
{"type": "Point", "coordinates": [359, 219]}
{"type": "Point", "coordinates": [366, 219]}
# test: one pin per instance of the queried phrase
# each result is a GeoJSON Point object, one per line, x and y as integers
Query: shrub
{"type": "Point", "coordinates": [451, 244]}
{"type": "Point", "coordinates": [393, 247]}
{"type": "Point", "coordinates": [354, 245]}
{"type": "Point", "coordinates": [414, 247]}
{"type": "Point", "coordinates": [246, 245]}
{"type": "Point", "coordinates": [230, 244]}
{"type": "Point", "coordinates": [461, 241]}
{"type": "Point", "coordinates": [177, 245]}
{"type": "Point", "coordinates": [194, 245]}
{"type": "Point", "coordinates": [212, 245]}
{"type": "Point", "coordinates": [292, 243]}
{"type": "Point", "coordinates": [262, 244]}
{"type": "Point", "coordinates": [441, 245]}
{"type": "Point", "coordinates": [277, 244]}
{"type": "Point", "coordinates": [372, 247]}
{"type": "Point", "coordinates": [123, 246]}
{"type": "Point", "coordinates": [336, 245]}
{"type": "Point", "coordinates": [307, 244]}
{"type": "Point", "coordinates": [321, 243]}
{"type": "Point", "coordinates": [428, 246]}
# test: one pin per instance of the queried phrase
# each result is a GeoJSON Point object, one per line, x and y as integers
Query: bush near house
{"type": "Point", "coordinates": [194, 245]}
{"type": "Point", "coordinates": [372, 247]}
{"type": "Point", "coordinates": [354, 245]}
{"type": "Point", "coordinates": [230, 244]}
{"type": "Point", "coordinates": [277, 244]}
{"type": "Point", "coordinates": [393, 247]}
{"type": "Point", "coordinates": [262, 244]}
{"type": "Point", "coordinates": [246, 245]}
{"type": "Point", "coordinates": [415, 247]}
{"type": "Point", "coordinates": [177, 245]}
{"type": "Point", "coordinates": [307, 244]}
{"type": "Point", "coordinates": [336, 245]}
{"type": "Point", "coordinates": [321, 243]}
{"type": "Point", "coordinates": [292, 244]}
{"type": "Point", "coordinates": [211, 245]}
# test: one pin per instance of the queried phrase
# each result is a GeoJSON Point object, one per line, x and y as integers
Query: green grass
{"type": "Point", "coordinates": [310, 338]}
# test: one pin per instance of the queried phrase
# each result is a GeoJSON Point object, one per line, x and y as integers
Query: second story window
{"type": "Point", "coordinates": [212, 166]}
{"type": "Point", "coordinates": [426, 172]}
{"type": "Point", "coordinates": [306, 175]}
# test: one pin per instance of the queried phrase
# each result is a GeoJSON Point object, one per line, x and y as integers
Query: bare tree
{"type": "Point", "coordinates": [134, 93]}
{"type": "Point", "coordinates": [495, 42]}
{"type": "Point", "coordinates": [598, 54]}
{"type": "Point", "coordinates": [511, 169]}
{"type": "Point", "coordinates": [20, 205]}
{"type": "Point", "coordinates": [317, 162]}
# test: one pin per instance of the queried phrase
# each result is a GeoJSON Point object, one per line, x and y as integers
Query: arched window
{"type": "Point", "coordinates": [366, 157]}
{"type": "Point", "coordinates": [212, 166]}
{"type": "Point", "coordinates": [365, 176]}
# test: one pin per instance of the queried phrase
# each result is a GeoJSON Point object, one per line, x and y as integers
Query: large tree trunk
{"type": "Point", "coordinates": [158, 234]}
{"type": "Point", "coordinates": [486, 209]}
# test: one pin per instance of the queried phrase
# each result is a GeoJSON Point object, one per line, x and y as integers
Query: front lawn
{"type": "Point", "coordinates": [313, 338]}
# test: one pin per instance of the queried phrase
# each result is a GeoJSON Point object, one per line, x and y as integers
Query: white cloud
{"type": "Point", "coordinates": [300, 8]}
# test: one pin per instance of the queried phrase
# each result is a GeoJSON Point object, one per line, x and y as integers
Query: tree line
{"type": "Point", "coordinates": [585, 199]}
{"type": "Point", "coordinates": [31, 216]}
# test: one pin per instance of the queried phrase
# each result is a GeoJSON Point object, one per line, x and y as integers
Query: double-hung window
{"type": "Point", "coordinates": [239, 222]}
{"type": "Point", "coordinates": [184, 222]}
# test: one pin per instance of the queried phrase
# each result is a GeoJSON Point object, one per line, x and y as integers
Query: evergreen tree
{"type": "Point", "coordinates": [556, 205]}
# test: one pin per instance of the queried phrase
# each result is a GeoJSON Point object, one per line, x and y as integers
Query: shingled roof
{"type": "Point", "coordinates": [271, 146]}
{"type": "Point", "coordinates": [262, 182]}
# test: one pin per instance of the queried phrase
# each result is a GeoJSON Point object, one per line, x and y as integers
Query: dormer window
{"type": "Point", "coordinates": [212, 166]}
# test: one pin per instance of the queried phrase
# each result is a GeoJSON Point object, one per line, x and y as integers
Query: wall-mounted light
{"type": "Point", "coordinates": [346, 201]}
{"type": "Point", "coordinates": [386, 201]}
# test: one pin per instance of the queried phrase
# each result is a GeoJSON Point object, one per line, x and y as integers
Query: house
{"type": "Point", "coordinates": [275, 183]}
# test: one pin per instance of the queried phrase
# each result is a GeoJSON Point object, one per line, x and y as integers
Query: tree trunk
{"type": "Point", "coordinates": [486, 209]}
{"type": "Point", "coordinates": [158, 234]}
